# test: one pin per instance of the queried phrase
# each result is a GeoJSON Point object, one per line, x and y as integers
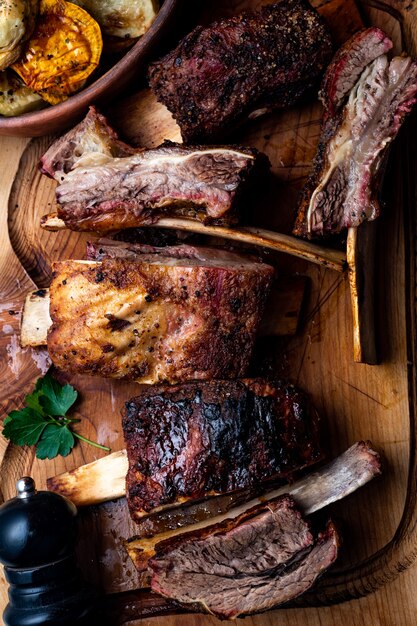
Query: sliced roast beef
{"type": "Point", "coordinates": [256, 562]}
{"type": "Point", "coordinates": [163, 320]}
{"type": "Point", "coordinates": [343, 188]}
{"type": "Point", "coordinates": [115, 193]}
{"type": "Point", "coordinates": [197, 439]}
{"type": "Point", "coordinates": [241, 67]}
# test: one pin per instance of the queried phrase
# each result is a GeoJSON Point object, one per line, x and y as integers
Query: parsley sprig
{"type": "Point", "coordinates": [44, 421]}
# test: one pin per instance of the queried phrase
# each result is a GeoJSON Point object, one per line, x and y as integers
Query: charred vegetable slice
{"type": "Point", "coordinates": [15, 97]}
{"type": "Point", "coordinates": [62, 52]}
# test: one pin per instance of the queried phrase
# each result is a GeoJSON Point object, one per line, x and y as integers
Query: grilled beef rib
{"type": "Point", "coordinates": [241, 67]}
{"type": "Point", "coordinates": [330, 483]}
{"type": "Point", "coordinates": [343, 187]}
{"type": "Point", "coordinates": [258, 561]}
{"type": "Point", "coordinates": [201, 183]}
{"type": "Point", "coordinates": [105, 185]}
{"type": "Point", "coordinates": [204, 438]}
{"type": "Point", "coordinates": [163, 320]}
{"type": "Point", "coordinates": [348, 64]}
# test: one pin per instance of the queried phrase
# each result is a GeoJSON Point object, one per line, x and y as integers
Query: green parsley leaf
{"type": "Point", "coordinates": [24, 427]}
{"type": "Point", "coordinates": [44, 422]}
{"type": "Point", "coordinates": [55, 440]}
{"type": "Point", "coordinates": [7, 419]}
{"type": "Point", "coordinates": [32, 401]}
{"type": "Point", "coordinates": [55, 398]}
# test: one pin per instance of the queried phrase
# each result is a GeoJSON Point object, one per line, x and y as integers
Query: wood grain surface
{"type": "Point", "coordinates": [356, 401]}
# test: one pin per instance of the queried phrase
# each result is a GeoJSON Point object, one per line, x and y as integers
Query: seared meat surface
{"type": "Point", "coordinates": [166, 319]}
{"type": "Point", "coordinates": [203, 438]}
{"type": "Point", "coordinates": [348, 64]}
{"type": "Point", "coordinates": [258, 561]}
{"type": "Point", "coordinates": [241, 67]}
{"type": "Point", "coordinates": [343, 188]}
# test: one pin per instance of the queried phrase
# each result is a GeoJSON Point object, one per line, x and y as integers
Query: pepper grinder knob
{"type": "Point", "coordinates": [25, 487]}
{"type": "Point", "coordinates": [37, 548]}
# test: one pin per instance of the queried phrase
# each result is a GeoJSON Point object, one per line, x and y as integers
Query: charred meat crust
{"type": "Point", "coordinates": [241, 67]}
{"type": "Point", "coordinates": [329, 483]}
{"type": "Point", "coordinates": [198, 439]}
{"type": "Point", "coordinates": [328, 131]}
{"type": "Point", "coordinates": [187, 319]}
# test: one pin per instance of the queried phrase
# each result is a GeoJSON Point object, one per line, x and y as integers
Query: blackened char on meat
{"type": "Point", "coordinates": [204, 183]}
{"type": "Point", "coordinates": [258, 561]}
{"type": "Point", "coordinates": [199, 439]}
{"type": "Point", "coordinates": [241, 67]}
{"type": "Point", "coordinates": [342, 190]}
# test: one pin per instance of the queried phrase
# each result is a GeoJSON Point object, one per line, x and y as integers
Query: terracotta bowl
{"type": "Point", "coordinates": [60, 116]}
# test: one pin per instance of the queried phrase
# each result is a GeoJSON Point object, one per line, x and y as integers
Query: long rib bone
{"type": "Point", "coordinates": [99, 481]}
{"type": "Point", "coordinates": [361, 261]}
{"type": "Point", "coordinates": [332, 259]}
{"type": "Point", "coordinates": [104, 480]}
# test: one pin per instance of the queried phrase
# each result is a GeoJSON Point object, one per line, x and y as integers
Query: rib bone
{"type": "Point", "coordinates": [104, 480]}
{"type": "Point", "coordinates": [320, 255]}
{"type": "Point", "coordinates": [35, 319]}
{"type": "Point", "coordinates": [95, 482]}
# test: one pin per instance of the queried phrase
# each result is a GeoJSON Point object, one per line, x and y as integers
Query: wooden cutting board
{"type": "Point", "coordinates": [355, 401]}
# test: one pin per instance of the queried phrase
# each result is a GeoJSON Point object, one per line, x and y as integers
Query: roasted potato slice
{"type": "Point", "coordinates": [63, 51]}
{"type": "Point", "coordinates": [17, 21]}
{"type": "Point", "coordinates": [121, 21]}
{"type": "Point", "coordinates": [15, 97]}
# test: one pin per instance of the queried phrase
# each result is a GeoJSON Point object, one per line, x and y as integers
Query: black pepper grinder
{"type": "Point", "coordinates": [37, 543]}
